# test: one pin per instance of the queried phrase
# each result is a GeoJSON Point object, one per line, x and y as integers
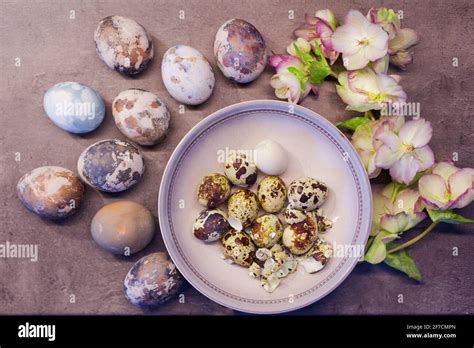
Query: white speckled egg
{"type": "Point", "coordinates": [187, 75]}
{"type": "Point", "coordinates": [111, 165]}
{"type": "Point", "coordinates": [270, 157]}
{"type": "Point", "coordinates": [210, 225]}
{"type": "Point", "coordinates": [300, 237]}
{"type": "Point", "coordinates": [243, 205]}
{"type": "Point", "coordinates": [74, 107]}
{"type": "Point", "coordinates": [307, 193]}
{"type": "Point", "coordinates": [271, 194]}
{"type": "Point", "coordinates": [141, 116]}
{"type": "Point", "coordinates": [152, 280]}
{"type": "Point", "coordinates": [240, 169]}
{"type": "Point", "coordinates": [240, 51]}
{"type": "Point", "coordinates": [123, 227]}
{"type": "Point", "coordinates": [51, 192]}
{"type": "Point", "coordinates": [239, 247]}
{"type": "Point", "coordinates": [123, 44]}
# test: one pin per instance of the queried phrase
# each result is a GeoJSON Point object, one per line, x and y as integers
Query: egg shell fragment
{"type": "Point", "coordinates": [51, 192]}
{"type": "Point", "coordinates": [123, 44]}
{"type": "Point", "coordinates": [111, 165]}
{"type": "Point", "coordinates": [141, 116]}
{"type": "Point", "coordinates": [187, 75]}
{"type": "Point", "coordinates": [240, 51]}
{"type": "Point", "coordinates": [152, 280]}
{"type": "Point", "coordinates": [123, 227]}
{"type": "Point", "coordinates": [74, 107]}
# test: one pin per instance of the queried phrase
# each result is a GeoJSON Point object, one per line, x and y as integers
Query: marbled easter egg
{"type": "Point", "coordinates": [240, 51]}
{"type": "Point", "coordinates": [74, 107]}
{"type": "Point", "coordinates": [152, 280]}
{"type": "Point", "coordinates": [123, 227]}
{"type": "Point", "coordinates": [51, 192]}
{"type": "Point", "coordinates": [141, 116]}
{"type": "Point", "coordinates": [187, 75]}
{"type": "Point", "coordinates": [123, 44]}
{"type": "Point", "coordinates": [111, 165]}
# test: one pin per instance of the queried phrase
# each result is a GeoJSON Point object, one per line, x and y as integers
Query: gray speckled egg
{"type": "Point", "coordinates": [307, 193]}
{"type": "Point", "coordinates": [123, 228]}
{"type": "Point", "coordinates": [239, 248]}
{"type": "Point", "coordinates": [300, 237]}
{"type": "Point", "coordinates": [152, 280]}
{"type": "Point", "coordinates": [123, 44]}
{"type": "Point", "coordinates": [243, 205]}
{"type": "Point", "coordinates": [210, 225]}
{"type": "Point", "coordinates": [111, 165]}
{"type": "Point", "coordinates": [213, 190]}
{"type": "Point", "coordinates": [51, 192]}
{"type": "Point", "coordinates": [74, 107]}
{"type": "Point", "coordinates": [266, 231]}
{"type": "Point", "coordinates": [271, 194]}
{"type": "Point", "coordinates": [240, 169]}
{"type": "Point", "coordinates": [141, 116]}
{"type": "Point", "coordinates": [240, 51]}
{"type": "Point", "coordinates": [187, 75]}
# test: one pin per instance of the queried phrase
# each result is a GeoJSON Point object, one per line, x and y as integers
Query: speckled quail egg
{"type": "Point", "coordinates": [111, 165]}
{"type": "Point", "coordinates": [243, 205]}
{"type": "Point", "coordinates": [307, 193]}
{"type": "Point", "coordinates": [266, 231]}
{"type": "Point", "coordinates": [293, 216]}
{"type": "Point", "coordinates": [270, 157]}
{"type": "Point", "coordinates": [317, 257]}
{"type": "Point", "coordinates": [238, 247]}
{"type": "Point", "coordinates": [152, 280]}
{"type": "Point", "coordinates": [240, 169]}
{"type": "Point", "coordinates": [141, 116]}
{"type": "Point", "coordinates": [123, 44]}
{"type": "Point", "coordinates": [271, 194]}
{"type": "Point", "coordinates": [240, 51]}
{"type": "Point", "coordinates": [324, 223]}
{"type": "Point", "coordinates": [210, 225]}
{"type": "Point", "coordinates": [300, 237]}
{"type": "Point", "coordinates": [187, 75]}
{"type": "Point", "coordinates": [213, 190]}
{"type": "Point", "coordinates": [51, 192]}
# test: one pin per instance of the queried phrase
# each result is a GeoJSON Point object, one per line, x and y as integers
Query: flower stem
{"type": "Point", "coordinates": [414, 240]}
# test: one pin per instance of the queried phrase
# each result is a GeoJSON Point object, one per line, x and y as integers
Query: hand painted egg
{"type": "Point", "coordinates": [210, 225]}
{"type": "Point", "coordinates": [123, 44]}
{"type": "Point", "coordinates": [111, 165]}
{"type": "Point", "coordinates": [152, 280]}
{"type": "Point", "coordinates": [271, 194]}
{"type": "Point", "coordinates": [306, 193]}
{"type": "Point", "coordinates": [123, 228]}
{"type": "Point", "coordinates": [240, 51]}
{"type": "Point", "coordinates": [51, 192]}
{"type": "Point", "coordinates": [187, 75]}
{"type": "Point", "coordinates": [74, 107]}
{"type": "Point", "coordinates": [239, 248]}
{"type": "Point", "coordinates": [213, 190]}
{"type": "Point", "coordinates": [240, 169]}
{"type": "Point", "coordinates": [243, 205]}
{"type": "Point", "coordinates": [141, 116]}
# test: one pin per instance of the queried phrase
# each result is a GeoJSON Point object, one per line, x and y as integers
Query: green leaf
{"type": "Point", "coordinates": [306, 58]}
{"type": "Point", "coordinates": [377, 251]}
{"type": "Point", "coordinates": [319, 68]}
{"type": "Point", "coordinates": [393, 189]}
{"type": "Point", "coordinates": [299, 75]}
{"type": "Point", "coordinates": [403, 262]}
{"type": "Point", "coordinates": [352, 123]}
{"type": "Point", "coordinates": [448, 216]}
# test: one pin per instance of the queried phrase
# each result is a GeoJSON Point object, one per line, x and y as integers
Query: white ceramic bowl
{"type": "Point", "coordinates": [317, 149]}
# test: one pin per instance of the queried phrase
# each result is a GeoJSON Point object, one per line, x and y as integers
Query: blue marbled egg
{"type": "Point", "coordinates": [74, 107]}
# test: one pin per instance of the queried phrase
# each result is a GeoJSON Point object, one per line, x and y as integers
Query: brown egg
{"type": "Point", "coordinates": [213, 190]}
{"type": "Point", "coordinates": [51, 192]}
{"type": "Point", "coordinates": [123, 227]}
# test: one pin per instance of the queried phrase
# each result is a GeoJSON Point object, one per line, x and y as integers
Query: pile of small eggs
{"type": "Point", "coordinates": [114, 165]}
{"type": "Point", "coordinates": [270, 244]}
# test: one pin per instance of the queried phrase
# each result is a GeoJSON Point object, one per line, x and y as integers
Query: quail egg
{"type": "Point", "coordinates": [239, 247]}
{"type": "Point", "coordinates": [243, 205]}
{"type": "Point", "coordinates": [293, 216]}
{"type": "Point", "coordinates": [266, 231]}
{"type": "Point", "coordinates": [210, 225]}
{"type": "Point", "coordinates": [240, 169]}
{"type": "Point", "coordinates": [271, 194]}
{"type": "Point", "coordinates": [307, 193]}
{"type": "Point", "coordinates": [213, 190]}
{"type": "Point", "coordinates": [300, 237]}
{"type": "Point", "coordinates": [270, 157]}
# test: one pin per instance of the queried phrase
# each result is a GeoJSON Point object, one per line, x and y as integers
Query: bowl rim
{"type": "Point", "coordinates": [249, 106]}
